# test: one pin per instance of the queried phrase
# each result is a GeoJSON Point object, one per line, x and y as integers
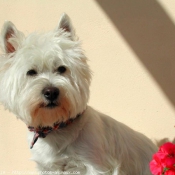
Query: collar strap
{"type": "Point", "coordinates": [44, 131]}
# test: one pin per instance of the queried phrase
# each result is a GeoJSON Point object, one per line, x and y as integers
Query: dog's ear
{"type": "Point", "coordinates": [10, 37]}
{"type": "Point", "coordinates": [66, 25]}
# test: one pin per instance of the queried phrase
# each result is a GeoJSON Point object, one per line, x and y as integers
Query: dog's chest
{"type": "Point", "coordinates": [60, 161]}
{"type": "Point", "coordinates": [52, 154]}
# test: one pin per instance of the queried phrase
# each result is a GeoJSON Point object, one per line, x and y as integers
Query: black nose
{"type": "Point", "coordinates": [51, 93]}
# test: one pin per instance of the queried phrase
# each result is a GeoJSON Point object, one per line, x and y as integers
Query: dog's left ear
{"type": "Point", "coordinates": [10, 37]}
{"type": "Point", "coordinates": [66, 25]}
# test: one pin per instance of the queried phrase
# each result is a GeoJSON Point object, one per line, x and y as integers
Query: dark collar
{"type": "Point", "coordinates": [44, 131]}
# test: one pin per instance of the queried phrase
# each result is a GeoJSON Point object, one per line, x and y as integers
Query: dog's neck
{"type": "Point", "coordinates": [44, 131]}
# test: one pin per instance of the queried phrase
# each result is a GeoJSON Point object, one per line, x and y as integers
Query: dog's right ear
{"type": "Point", "coordinates": [10, 37]}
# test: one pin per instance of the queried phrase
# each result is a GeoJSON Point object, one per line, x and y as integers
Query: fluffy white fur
{"type": "Point", "coordinates": [93, 144]}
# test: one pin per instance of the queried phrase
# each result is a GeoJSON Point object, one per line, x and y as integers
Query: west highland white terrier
{"type": "Point", "coordinates": [45, 81]}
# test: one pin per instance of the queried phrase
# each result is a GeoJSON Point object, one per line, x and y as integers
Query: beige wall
{"type": "Point", "coordinates": [130, 45]}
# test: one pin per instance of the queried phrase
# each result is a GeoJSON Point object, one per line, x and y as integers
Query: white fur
{"type": "Point", "coordinates": [93, 144]}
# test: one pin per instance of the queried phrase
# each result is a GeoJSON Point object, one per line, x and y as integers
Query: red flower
{"type": "Point", "coordinates": [170, 162]}
{"type": "Point", "coordinates": [169, 172]}
{"type": "Point", "coordinates": [167, 149]}
{"type": "Point", "coordinates": [156, 165]}
{"type": "Point", "coordinates": [163, 162]}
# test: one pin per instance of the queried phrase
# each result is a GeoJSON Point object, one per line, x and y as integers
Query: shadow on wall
{"type": "Point", "coordinates": [164, 140]}
{"type": "Point", "coordinates": [150, 33]}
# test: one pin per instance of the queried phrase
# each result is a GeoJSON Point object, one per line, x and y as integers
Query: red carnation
{"type": "Point", "coordinates": [163, 162]}
{"type": "Point", "coordinates": [169, 172]}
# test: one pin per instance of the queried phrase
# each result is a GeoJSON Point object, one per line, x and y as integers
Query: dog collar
{"type": "Point", "coordinates": [44, 131]}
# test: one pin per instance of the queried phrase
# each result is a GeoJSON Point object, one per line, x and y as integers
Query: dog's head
{"type": "Point", "coordinates": [44, 77]}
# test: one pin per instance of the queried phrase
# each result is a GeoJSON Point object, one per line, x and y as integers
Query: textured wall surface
{"type": "Point", "coordinates": [131, 48]}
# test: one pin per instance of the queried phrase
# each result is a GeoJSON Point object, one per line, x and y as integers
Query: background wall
{"type": "Point", "coordinates": [130, 45]}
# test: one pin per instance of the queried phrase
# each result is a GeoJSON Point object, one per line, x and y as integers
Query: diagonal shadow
{"type": "Point", "coordinates": [150, 33]}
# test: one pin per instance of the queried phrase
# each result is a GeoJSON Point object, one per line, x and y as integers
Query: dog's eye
{"type": "Point", "coordinates": [61, 69]}
{"type": "Point", "coordinates": [32, 72]}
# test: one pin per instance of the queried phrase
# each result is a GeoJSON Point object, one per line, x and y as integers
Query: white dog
{"type": "Point", "coordinates": [45, 82]}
